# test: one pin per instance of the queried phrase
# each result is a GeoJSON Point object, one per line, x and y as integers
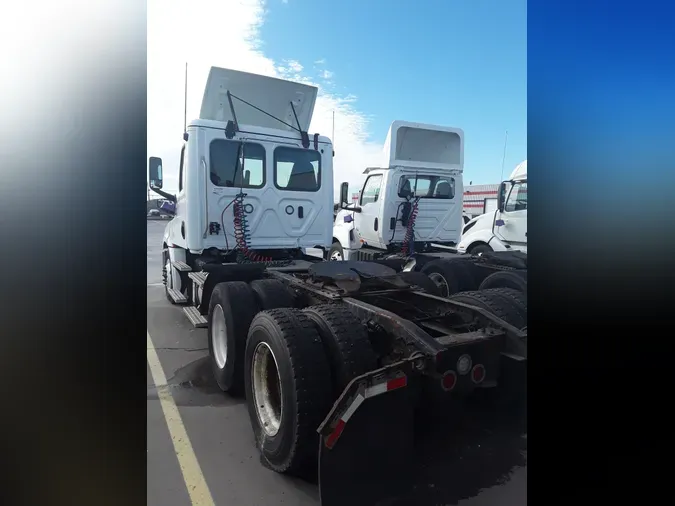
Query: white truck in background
{"type": "Point", "coordinates": [504, 229]}
{"type": "Point", "coordinates": [409, 215]}
{"type": "Point", "coordinates": [412, 204]}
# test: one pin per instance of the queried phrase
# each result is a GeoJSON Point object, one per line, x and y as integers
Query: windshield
{"type": "Point", "coordinates": [427, 187]}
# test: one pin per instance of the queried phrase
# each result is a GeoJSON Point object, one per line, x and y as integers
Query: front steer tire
{"type": "Point", "coordinates": [336, 250]}
{"type": "Point", "coordinates": [303, 377]}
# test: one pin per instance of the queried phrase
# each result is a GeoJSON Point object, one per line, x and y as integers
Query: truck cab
{"type": "Point", "coordinates": [504, 229]}
{"type": "Point", "coordinates": [252, 181]}
{"type": "Point", "coordinates": [415, 197]}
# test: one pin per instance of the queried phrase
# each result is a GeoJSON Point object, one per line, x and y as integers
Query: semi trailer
{"type": "Point", "coordinates": [334, 358]}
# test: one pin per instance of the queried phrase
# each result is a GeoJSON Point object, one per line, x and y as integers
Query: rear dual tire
{"type": "Point", "coordinates": [290, 364]}
{"type": "Point", "coordinates": [231, 309]}
{"type": "Point", "coordinates": [516, 280]}
{"type": "Point", "coordinates": [501, 302]}
{"type": "Point", "coordinates": [297, 364]}
{"type": "Point", "coordinates": [232, 306]}
{"type": "Point", "coordinates": [288, 387]}
{"type": "Point", "coordinates": [450, 276]}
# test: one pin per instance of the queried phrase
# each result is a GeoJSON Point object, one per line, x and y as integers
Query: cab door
{"type": "Point", "coordinates": [177, 224]}
{"type": "Point", "coordinates": [514, 227]}
{"type": "Point", "coordinates": [367, 221]}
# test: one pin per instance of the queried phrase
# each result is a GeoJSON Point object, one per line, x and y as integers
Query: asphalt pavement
{"type": "Point", "coordinates": [201, 450]}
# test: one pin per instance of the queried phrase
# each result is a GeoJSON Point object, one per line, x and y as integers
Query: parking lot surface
{"type": "Point", "coordinates": [201, 450]}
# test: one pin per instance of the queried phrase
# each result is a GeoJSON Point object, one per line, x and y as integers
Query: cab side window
{"type": "Point", "coordinates": [371, 189]}
{"type": "Point", "coordinates": [181, 171]}
{"type": "Point", "coordinates": [517, 200]}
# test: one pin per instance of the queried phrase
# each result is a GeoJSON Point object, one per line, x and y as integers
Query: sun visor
{"type": "Point", "coordinates": [274, 96]}
{"type": "Point", "coordinates": [418, 145]}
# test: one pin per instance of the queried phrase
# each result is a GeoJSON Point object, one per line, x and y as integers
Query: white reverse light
{"type": "Point", "coordinates": [464, 364]}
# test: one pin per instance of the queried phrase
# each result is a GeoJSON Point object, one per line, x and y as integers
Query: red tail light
{"type": "Point", "coordinates": [449, 380]}
{"type": "Point", "coordinates": [478, 373]}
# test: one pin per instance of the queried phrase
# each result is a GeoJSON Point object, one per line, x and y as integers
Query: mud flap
{"type": "Point", "coordinates": [369, 464]}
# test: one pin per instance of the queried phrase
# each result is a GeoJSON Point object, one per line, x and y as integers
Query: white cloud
{"type": "Point", "coordinates": [226, 33]}
{"type": "Point", "coordinates": [294, 65]}
{"type": "Point", "coordinates": [327, 74]}
{"type": "Point", "coordinates": [320, 62]}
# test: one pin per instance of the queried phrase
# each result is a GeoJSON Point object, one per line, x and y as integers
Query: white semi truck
{"type": "Point", "coordinates": [413, 203]}
{"type": "Point", "coordinates": [505, 228]}
{"type": "Point", "coordinates": [332, 357]}
{"type": "Point", "coordinates": [409, 214]}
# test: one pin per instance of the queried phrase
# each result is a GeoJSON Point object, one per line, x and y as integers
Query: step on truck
{"type": "Point", "coordinates": [334, 358]}
{"type": "Point", "coordinates": [408, 215]}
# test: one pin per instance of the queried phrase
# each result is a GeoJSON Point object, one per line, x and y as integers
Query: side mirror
{"type": "Point", "coordinates": [155, 169]}
{"type": "Point", "coordinates": [501, 196]}
{"type": "Point", "coordinates": [344, 195]}
{"type": "Point", "coordinates": [156, 178]}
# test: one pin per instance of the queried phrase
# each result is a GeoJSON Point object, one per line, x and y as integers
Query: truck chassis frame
{"type": "Point", "coordinates": [424, 336]}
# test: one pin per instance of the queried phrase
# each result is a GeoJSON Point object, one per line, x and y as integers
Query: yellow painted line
{"type": "Point", "coordinates": [200, 495]}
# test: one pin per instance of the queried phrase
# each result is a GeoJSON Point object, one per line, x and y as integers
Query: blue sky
{"type": "Point", "coordinates": [459, 63]}
{"type": "Point", "coordinates": [451, 62]}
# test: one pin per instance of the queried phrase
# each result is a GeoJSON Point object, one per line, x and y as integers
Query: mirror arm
{"type": "Point", "coordinates": [355, 209]}
{"type": "Point", "coordinates": [164, 194]}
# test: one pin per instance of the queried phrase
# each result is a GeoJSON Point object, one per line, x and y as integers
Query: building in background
{"type": "Point", "coordinates": [479, 199]}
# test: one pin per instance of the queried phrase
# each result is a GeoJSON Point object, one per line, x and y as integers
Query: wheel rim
{"type": "Point", "coordinates": [336, 256]}
{"type": "Point", "coordinates": [219, 336]}
{"type": "Point", "coordinates": [441, 283]}
{"type": "Point", "coordinates": [267, 389]}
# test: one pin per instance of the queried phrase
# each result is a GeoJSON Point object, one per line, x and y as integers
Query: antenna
{"type": "Point", "coordinates": [506, 138]}
{"type": "Point", "coordinates": [185, 102]}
